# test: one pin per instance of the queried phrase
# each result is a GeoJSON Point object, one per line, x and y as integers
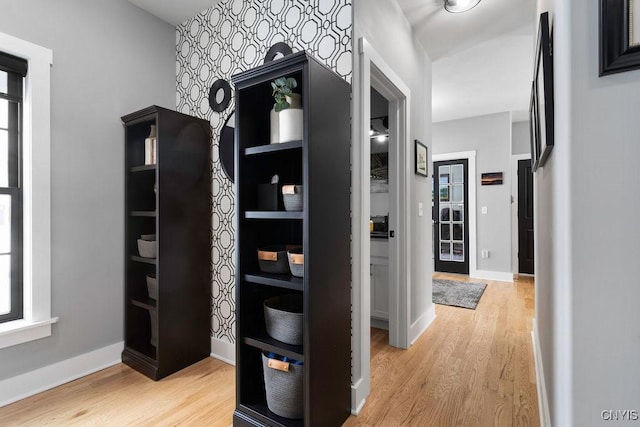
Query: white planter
{"type": "Point", "coordinates": [290, 125]}
{"type": "Point", "coordinates": [275, 127]}
{"type": "Point", "coordinates": [287, 124]}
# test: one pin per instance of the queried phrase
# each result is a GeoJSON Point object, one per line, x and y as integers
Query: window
{"type": "Point", "coordinates": [32, 182]}
{"type": "Point", "coordinates": [12, 73]}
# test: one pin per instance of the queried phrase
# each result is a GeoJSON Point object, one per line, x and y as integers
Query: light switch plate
{"type": "Point", "coordinates": [420, 209]}
{"type": "Point", "coordinates": [484, 210]}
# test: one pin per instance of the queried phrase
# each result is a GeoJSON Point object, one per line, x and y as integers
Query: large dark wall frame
{"type": "Point", "coordinates": [616, 55]}
{"type": "Point", "coordinates": [543, 85]}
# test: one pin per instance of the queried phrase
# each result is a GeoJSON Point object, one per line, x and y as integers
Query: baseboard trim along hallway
{"type": "Point", "coordinates": [45, 378]}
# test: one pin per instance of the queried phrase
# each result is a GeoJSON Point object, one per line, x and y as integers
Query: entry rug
{"type": "Point", "coordinates": [457, 294]}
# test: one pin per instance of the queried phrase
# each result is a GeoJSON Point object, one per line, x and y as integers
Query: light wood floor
{"type": "Point", "coordinates": [471, 368]}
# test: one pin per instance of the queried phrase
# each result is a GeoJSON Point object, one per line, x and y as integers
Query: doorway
{"type": "Point", "coordinates": [381, 187]}
{"type": "Point", "coordinates": [374, 72]}
{"type": "Point", "coordinates": [451, 210]}
{"type": "Point", "coordinates": [525, 218]}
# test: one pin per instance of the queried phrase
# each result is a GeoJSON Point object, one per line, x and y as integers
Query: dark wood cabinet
{"type": "Point", "coordinates": [321, 163]}
{"type": "Point", "coordinates": [168, 199]}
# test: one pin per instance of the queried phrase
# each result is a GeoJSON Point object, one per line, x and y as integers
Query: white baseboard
{"type": "Point", "coordinates": [359, 392]}
{"type": "Point", "coordinates": [380, 323]}
{"type": "Point", "coordinates": [499, 276]}
{"type": "Point", "coordinates": [421, 325]}
{"type": "Point", "coordinates": [543, 402]}
{"type": "Point", "coordinates": [223, 350]}
{"type": "Point", "coordinates": [45, 378]}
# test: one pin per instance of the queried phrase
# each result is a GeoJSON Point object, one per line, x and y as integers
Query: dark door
{"type": "Point", "coordinates": [450, 203]}
{"type": "Point", "coordinates": [525, 217]}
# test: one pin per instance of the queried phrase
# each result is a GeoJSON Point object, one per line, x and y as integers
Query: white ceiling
{"type": "Point", "coordinates": [482, 59]}
{"type": "Point", "coordinates": [174, 12]}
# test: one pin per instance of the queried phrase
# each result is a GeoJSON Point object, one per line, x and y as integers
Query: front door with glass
{"type": "Point", "coordinates": [451, 233]}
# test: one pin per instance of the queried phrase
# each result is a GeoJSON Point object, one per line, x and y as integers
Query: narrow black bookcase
{"type": "Point", "coordinates": [168, 199]}
{"type": "Point", "coordinates": [321, 163]}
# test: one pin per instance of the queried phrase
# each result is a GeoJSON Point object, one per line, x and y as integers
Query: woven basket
{"type": "Point", "coordinates": [296, 262]}
{"type": "Point", "coordinates": [152, 286]}
{"type": "Point", "coordinates": [292, 196]}
{"type": "Point", "coordinates": [147, 248]}
{"type": "Point", "coordinates": [273, 259]}
{"type": "Point", "coordinates": [284, 319]}
{"type": "Point", "coordinates": [283, 387]}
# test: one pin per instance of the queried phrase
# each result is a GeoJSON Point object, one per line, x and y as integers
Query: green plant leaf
{"type": "Point", "coordinates": [282, 87]}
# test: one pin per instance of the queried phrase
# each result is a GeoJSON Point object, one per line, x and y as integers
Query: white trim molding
{"type": "Point", "coordinates": [359, 392]}
{"type": "Point", "coordinates": [543, 400]}
{"type": "Point", "coordinates": [500, 276]}
{"type": "Point", "coordinates": [37, 320]}
{"type": "Point", "coordinates": [223, 350]}
{"type": "Point", "coordinates": [421, 325]}
{"type": "Point", "coordinates": [370, 69]}
{"type": "Point", "coordinates": [45, 378]}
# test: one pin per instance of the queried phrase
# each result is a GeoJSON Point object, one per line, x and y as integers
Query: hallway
{"type": "Point", "coordinates": [471, 368]}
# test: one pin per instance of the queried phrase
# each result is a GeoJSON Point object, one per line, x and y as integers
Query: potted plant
{"type": "Point", "coordinates": [286, 115]}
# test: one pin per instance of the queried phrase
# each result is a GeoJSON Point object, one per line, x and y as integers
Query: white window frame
{"type": "Point", "coordinates": [36, 149]}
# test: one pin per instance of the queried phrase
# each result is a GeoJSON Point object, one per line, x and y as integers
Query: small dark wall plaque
{"type": "Point", "coordinates": [492, 178]}
{"type": "Point", "coordinates": [219, 85]}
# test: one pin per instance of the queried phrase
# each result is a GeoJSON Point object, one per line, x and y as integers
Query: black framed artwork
{"type": "Point", "coordinates": [619, 36]}
{"type": "Point", "coordinates": [533, 128]}
{"type": "Point", "coordinates": [543, 85]}
{"type": "Point", "coordinates": [421, 159]}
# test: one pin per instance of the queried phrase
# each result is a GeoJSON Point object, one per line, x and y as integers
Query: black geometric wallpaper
{"type": "Point", "coordinates": [224, 40]}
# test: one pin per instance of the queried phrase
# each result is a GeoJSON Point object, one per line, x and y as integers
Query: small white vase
{"type": "Point", "coordinates": [287, 125]}
{"type": "Point", "coordinates": [150, 147]}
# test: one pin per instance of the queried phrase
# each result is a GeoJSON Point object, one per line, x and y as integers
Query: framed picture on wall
{"type": "Point", "coordinates": [543, 84]}
{"type": "Point", "coordinates": [619, 36]}
{"type": "Point", "coordinates": [421, 158]}
{"type": "Point", "coordinates": [533, 128]}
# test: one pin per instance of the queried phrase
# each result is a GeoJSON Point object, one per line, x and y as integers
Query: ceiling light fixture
{"type": "Point", "coordinates": [458, 6]}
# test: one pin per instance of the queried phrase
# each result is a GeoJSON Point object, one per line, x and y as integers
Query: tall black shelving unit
{"type": "Point", "coordinates": [171, 200]}
{"type": "Point", "coordinates": [321, 162]}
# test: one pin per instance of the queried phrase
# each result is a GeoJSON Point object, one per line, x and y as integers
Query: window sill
{"type": "Point", "coordinates": [21, 331]}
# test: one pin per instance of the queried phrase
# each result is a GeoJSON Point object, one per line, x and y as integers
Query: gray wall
{"type": "Point", "coordinates": [109, 58]}
{"type": "Point", "coordinates": [605, 242]}
{"type": "Point", "coordinates": [401, 50]}
{"type": "Point", "coordinates": [520, 138]}
{"type": "Point", "coordinates": [490, 136]}
{"type": "Point", "coordinates": [587, 317]}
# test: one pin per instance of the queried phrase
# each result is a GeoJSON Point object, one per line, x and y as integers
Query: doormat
{"type": "Point", "coordinates": [457, 294]}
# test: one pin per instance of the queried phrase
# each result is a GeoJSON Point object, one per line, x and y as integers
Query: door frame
{"type": "Point", "coordinates": [375, 72]}
{"type": "Point", "coordinates": [515, 263]}
{"type": "Point", "coordinates": [470, 156]}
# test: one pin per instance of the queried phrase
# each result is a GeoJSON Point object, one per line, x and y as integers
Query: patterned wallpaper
{"type": "Point", "coordinates": [224, 40]}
